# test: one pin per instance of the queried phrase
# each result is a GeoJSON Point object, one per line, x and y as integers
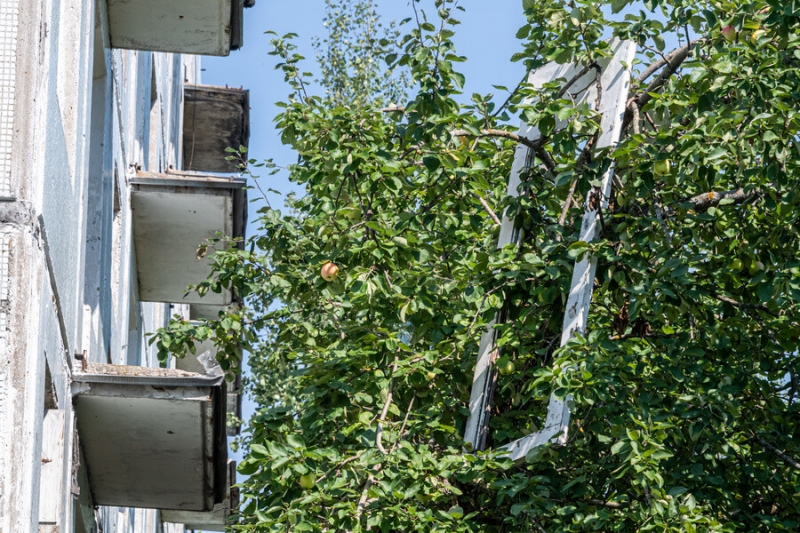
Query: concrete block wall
{"type": "Point", "coordinates": [76, 118]}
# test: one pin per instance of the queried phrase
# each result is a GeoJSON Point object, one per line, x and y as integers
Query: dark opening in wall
{"type": "Point", "coordinates": [50, 396]}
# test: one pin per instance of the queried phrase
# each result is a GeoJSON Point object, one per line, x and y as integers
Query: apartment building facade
{"type": "Point", "coordinates": [112, 171]}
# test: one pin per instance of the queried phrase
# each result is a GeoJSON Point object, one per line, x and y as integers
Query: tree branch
{"type": "Point", "coordinates": [575, 78]}
{"type": "Point", "coordinates": [702, 202]}
{"type": "Point", "coordinates": [786, 458]}
{"type": "Point", "coordinates": [405, 420]}
{"type": "Point", "coordinates": [741, 305]}
{"type": "Point", "coordinates": [536, 146]}
{"type": "Point", "coordinates": [672, 62]}
{"type": "Point", "coordinates": [339, 466]}
{"type": "Point", "coordinates": [488, 209]}
{"type": "Point", "coordinates": [385, 411]}
{"type": "Point", "coordinates": [362, 501]}
{"type": "Point", "coordinates": [681, 52]}
{"type": "Point", "coordinates": [610, 505]}
{"type": "Point", "coordinates": [533, 145]}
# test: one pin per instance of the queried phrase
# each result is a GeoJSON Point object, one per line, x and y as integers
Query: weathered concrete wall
{"type": "Point", "coordinates": [75, 119]}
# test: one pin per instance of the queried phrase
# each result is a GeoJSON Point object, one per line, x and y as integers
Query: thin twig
{"type": "Point", "coordinates": [610, 505]}
{"type": "Point", "coordinates": [568, 203]}
{"type": "Point", "coordinates": [339, 466]}
{"type": "Point", "coordinates": [403, 427]}
{"type": "Point", "coordinates": [511, 95]}
{"type": "Point", "coordinates": [385, 411]}
{"type": "Point", "coordinates": [487, 208]}
{"type": "Point", "coordinates": [575, 78]}
{"type": "Point", "coordinates": [760, 307]}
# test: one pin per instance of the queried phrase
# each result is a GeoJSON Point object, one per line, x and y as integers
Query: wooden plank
{"type": "Point", "coordinates": [614, 81]}
{"type": "Point", "coordinates": [485, 375]}
{"type": "Point", "coordinates": [51, 492]}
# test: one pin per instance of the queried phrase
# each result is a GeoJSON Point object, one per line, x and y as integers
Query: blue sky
{"type": "Point", "coordinates": [485, 37]}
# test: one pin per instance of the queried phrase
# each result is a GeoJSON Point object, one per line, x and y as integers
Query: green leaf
{"type": "Point", "coordinates": [432, 163]}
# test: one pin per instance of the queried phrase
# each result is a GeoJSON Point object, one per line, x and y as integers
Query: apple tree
{"type": "Point", "coordinates": [684, 389]}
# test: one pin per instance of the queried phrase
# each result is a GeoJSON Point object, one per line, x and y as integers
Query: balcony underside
{"type": "Point", "coordinates": [201, 27]}
{"type": "Point", "coordinates": [152, 438]}
{"type": "Point", "coordinates": [173, 214]}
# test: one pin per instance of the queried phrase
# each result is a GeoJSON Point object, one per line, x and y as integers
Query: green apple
{"type": "Point", "coordinates": [505, 366]}
{"type": "Point", "coordinates": [736, 264]}
{"type": "Point", "coordinates": [755, 267]}
{"type": "Point", "coordinates": [662, 167]}
{"type": "Point", "coordinates": [456, 512]}
{"type": "Point", "coordinates": [307, 481]}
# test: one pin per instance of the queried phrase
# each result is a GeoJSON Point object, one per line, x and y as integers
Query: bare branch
{"type": "Point", "coordinates": [676, 58]}
{"type": "Point", "coordinates": [403, 427]}
{"type": "Point", "coordinates": [654, 67]}
{"type": "Point", "coordinates": [362, 501]}
{"type": "Point", "coordinates": [703, 202]}
{"type": "Point", "coordinates": [673, 61]}
{"type": "Point", "coordinates": [568, 202]}
{"type": "Point", "coordinates": [385, 411]}
{"type": "Point", "coordinates": [339, 466]}
{"type": "Point", "coordinates": [575, 78]}
{"type": "Point", "coordinates": [741, 305]}
{"type": "Point", "coordinates": [533, 145]}
{"type": "Point", "coordinates": [610, 505]}
{"type": "Point", "coordinates": [488, 209]}
{"type": "Point", "coordinates": [536, 146]}
{"type": "Point", "coordinates": [706, 200]}
{"type": "Point", "coordinates": [786, 458]}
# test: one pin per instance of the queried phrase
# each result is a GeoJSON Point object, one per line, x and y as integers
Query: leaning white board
{"type": "Point", "coordinates": [614, 85]}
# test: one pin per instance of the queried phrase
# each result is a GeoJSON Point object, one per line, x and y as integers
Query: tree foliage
{"type": "Point", "coordinates": [685, 414]}
{"type": "Point", "coordinates": [351, 57]}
